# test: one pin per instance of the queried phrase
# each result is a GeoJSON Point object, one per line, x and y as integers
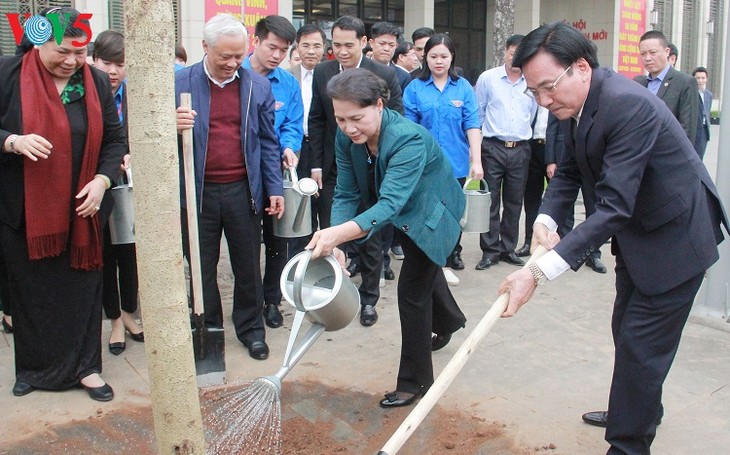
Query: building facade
{"type": "Point", "coordinates": [698, 27]}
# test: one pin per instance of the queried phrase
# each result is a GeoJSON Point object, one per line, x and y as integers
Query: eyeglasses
{"type": "Point", "coordinates": [535, 92]}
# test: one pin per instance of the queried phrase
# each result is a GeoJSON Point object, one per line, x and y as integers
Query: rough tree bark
{"type": "Point", "coordinates": [504, 26]}
{"type": "Point", "coordinates": [150, 44]}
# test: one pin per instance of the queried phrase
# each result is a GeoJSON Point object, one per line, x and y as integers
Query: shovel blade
{"type": "Point", "coordinates": [210, 356]}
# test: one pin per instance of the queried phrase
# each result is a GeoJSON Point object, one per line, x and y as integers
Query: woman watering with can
{"type": "Point", "coordinates": [396, 170]}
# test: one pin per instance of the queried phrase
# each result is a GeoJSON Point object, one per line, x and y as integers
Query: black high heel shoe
{"type": "Point", "coordinates": [137, 336]}
{"type": "Point", "coordinates": [117, 348]}
{"type": "Point", "coordinates": [397, 399]}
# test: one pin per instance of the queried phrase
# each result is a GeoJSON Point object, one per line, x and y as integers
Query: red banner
{"type": "Point", "coordinates": [632, 24]}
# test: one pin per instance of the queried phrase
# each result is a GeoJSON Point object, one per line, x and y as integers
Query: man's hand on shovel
{"type": "Point", "coordinates": [521, 284]}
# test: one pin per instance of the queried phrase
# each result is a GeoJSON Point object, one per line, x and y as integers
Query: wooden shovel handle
{"type": "Point", "coordinates": [191, 199]}
{"type": "Point", "coordinates": [442, 382]}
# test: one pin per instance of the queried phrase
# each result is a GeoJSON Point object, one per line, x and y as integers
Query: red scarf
{"type": "Point", "coordinates": [48, 192]}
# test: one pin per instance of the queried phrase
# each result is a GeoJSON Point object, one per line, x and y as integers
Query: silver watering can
{"type": "Point", "coordinates": [476, 213]}
{"type": "Point", "coordinates": [319, 290]}
{"type": "Point", "coordinates": [297, 218]}
{"type": "Point", "coordinates": [121, 220]}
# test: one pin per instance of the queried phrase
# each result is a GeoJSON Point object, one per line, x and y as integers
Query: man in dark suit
{"type": "Point", "coordinates": [348, 39]}
{"type": "Point", "coordinates": [654, 198]}
{"type": "Point", "coordinates": [703, 123]}
{"type": "Point", "coordinates": [676, 89]}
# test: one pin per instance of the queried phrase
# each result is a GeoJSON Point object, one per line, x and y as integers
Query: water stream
{"type": "Point", "coordinates": [243, 419]}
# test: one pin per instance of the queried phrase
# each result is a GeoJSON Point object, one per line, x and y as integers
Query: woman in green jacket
{"type": "Point", "coordinates": [397, 172]}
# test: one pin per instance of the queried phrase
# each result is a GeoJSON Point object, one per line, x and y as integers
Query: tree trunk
{"type": "Point", "coordinates": [150, 44]}
{"type": "Point", "coordinates": [504, 26]}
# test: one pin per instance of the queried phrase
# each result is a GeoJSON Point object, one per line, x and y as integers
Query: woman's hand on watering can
{"type": "Point", "coordinates": [290, 158]}
{"type": "Point", "coordinates": [341, 259]}
{"type": "Point", "coordinates": [276, 206]}
{"type": "Point", "coordinates": [326, 240]}
{"type": "Point", "coordinates": [476, 172]}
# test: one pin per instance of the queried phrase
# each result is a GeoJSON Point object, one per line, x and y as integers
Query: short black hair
{"type": "Point", "coordinates": [514, 40]}
{"type": "Point", "coordinates": [435, 40]}
{"type": "Point", "coordinates": [673, 50]}
{"type": "Point", "coordinates": [308, 29]}
{"type": "Point", "coordinates": [350, 23]}
{"type": "Point", "coordinates": [278, 25]}
{"type": "Point", "coordinates": [366, 48]}
{"type": "Point", "coordinates": [384, 28]}
{"type": "Point", "coordinates": [422, 32]}
{"type": "Point", "coordinates": [655, 34]}
{"type": "Point", "coordinates": [563, 42]}
{"type": "Point", "coordinates": [73, 16]}
{"type": "Point", "coordinates": [360, 86]}
{"type": "Point", "coordinates": [403, 48]}
{"type": "Point", "coordinates": [109, 46]}
{"type": "Point", "coordinates": [700, 69]}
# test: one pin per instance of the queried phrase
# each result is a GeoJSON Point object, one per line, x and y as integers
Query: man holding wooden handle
{"type": "Point", "coordinates": [654, 199]}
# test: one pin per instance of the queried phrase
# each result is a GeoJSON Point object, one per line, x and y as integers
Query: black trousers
{"type": "Point", "coordinates": [425, 306]}
{"type": "Point", "coordinates": [505, 170]}
{"type": "Point", "coordinates": [120, 283]}
{"type": "Point", "coordinates": [275, 250]}
{"type": "Point", "coordinates": [534, 186]}
{"type": "Point", "coordinates": [226, 208]}
{"type": "Point", "coordinates": [370, 256]}
{"type": "Point", "coordinates": [646, 334]}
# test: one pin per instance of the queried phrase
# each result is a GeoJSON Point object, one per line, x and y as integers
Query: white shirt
{"type": "Point", "coordinates": [306, 84]}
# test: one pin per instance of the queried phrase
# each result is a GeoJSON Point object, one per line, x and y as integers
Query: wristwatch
{"type": "Point", "coordinates": [537, 274]}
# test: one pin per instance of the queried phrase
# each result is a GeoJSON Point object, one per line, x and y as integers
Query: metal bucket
{"type": "Point", "coordinates": [121, 220]}
{"type": "Point", "coordinates": [297, 218]}
{"type": "Point", "coordinates": [478, 205]}
{"type": "Point", "coordinates": [320, 289]}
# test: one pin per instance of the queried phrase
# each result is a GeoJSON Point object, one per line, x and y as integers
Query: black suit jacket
{"type": "Point", "coordinates": [322, 124]}
{"type": "Point", "coordinates": [679, 93]}
{"type": "Point", "coordinates": [12, 192]}
{"type": "Point", "coordinates": [554, 141]}
{"type": "Point", "coordinates": [653, 194]}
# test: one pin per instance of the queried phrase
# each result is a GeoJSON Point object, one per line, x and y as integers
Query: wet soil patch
{"type": "Point", "coordinates": [316, 419]}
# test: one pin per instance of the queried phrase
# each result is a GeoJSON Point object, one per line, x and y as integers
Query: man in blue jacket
{"type": "Point", "coordinates": [237, 164]}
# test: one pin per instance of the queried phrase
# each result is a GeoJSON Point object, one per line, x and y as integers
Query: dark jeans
{"type": "Point", "coordinates": [226, 208]}
{"type": "Point", "coordinates": [275, 250]}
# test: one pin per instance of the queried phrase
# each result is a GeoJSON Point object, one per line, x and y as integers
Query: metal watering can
{"type": "Point", "coordinates": [319, 290]}
{"type": "Point", "coordinates": [476, 213]}
{"type": "Point", "coordinates": [297, 218]}
{"type": "Point", "coordinates": [121, 220]}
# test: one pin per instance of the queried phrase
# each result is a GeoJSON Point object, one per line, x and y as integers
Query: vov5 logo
{"type": "Point", "coordinates": [39, 29]}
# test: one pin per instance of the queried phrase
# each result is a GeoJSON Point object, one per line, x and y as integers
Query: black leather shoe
{"type": "Point", "coordinates": [485, 263]}
{"type": "Point", "coordinates": [524, 251]}
{"type": "Point", "coordinates": [511, 258]}
{"type": "Point", "coordinates": [101, 393]}
{"type": "Point", "coordinates": [439, 341]}
{"type": "Point", "coordinates": [117, 348]}
{"type": "Point", "coordinates": [22, 388]}
{"type": "Point", "coordinates": [353, 269]}
{"type": "Point", "coordinates": [368, 315]}
{"type": "Point", "coordinates": [258, 350]}
{"type": "Point", "coordinates": [397, 399]}
{"type": "Point", "coordinates": [138, 337]}
{"type": "Point", "coordinates": [597, 265]}
{"type": "Point", "coordinates": [599, 418]}
{"type": "Point", "coordinates": [272, 316]}
{"type": "Point", "coordinates": [388, 274]}
{"type": "Point", "coordinates": [454, 261]}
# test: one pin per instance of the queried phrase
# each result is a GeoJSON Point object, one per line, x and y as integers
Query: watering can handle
{"type": "Point", "coordinates": [469, 180]}
{"type": "Point", "coordinates": [299, 273]}
{"type": "Point", "coordinates": [293, 177]}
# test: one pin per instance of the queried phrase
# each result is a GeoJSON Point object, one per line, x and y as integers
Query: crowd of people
{"type": "Point", "coordinates": [375, 121]}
